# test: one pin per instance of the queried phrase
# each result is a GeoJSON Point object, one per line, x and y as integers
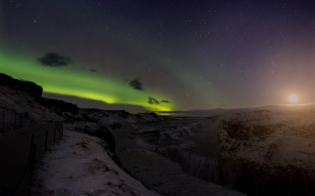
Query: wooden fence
{"type": "Point", "coordinates": [11, 120]}
{"type": "Point", "coordinates": [40, 143]}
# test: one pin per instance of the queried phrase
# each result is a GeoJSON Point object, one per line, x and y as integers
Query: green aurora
{"type": "Point", "coordinates": [72, 81]}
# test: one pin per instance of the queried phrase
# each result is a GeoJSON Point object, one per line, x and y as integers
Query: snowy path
{"type": "Point", "coordinates": [80, 166]}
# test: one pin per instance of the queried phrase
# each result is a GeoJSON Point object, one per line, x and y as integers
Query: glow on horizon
{"type": "Point", "coordinates": [72, 81]}
{"type": "Point", "coordinates": [293, 98]}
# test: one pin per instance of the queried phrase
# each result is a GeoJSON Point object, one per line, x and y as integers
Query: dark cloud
{"type": "Point", "coordinates": [151, 100]}
{"type": "Point", "coordinates": [93, 70]}
{"type": "Point", "coordinates": [54, 60]}
{"type": "Point", "coordinates": [165, 101]}
{"type": "Point", "coordinates": [135, 84]}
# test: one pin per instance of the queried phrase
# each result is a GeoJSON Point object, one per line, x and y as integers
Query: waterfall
{"type": "Point", "coordinates": [205, 168]}
{"type": "Point", "coordinates": [173, 145]}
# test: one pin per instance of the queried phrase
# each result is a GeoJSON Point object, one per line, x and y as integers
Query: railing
{"type": "Point", "coordinates": [11, 120]}
{"type": "Point", "coordinates": [40, 143]}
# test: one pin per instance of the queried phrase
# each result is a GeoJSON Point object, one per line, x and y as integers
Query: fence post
{"type": "Point", "coordinates": [31, 165]}
{"type": "Point", "coordinates": [3, 125]}
{"type": "Point", "coordinates": [14, 124]}
{"type": "Point", "coordinates": [59, 129]}
{"type": "Point", "coordinates": [20, 120]}
{"type": "Point", "coordinates": [32, 141]}
{"type": "Point", "coordinates": [55, 134]}
{"type": "Point", "coordinates": [46, 139]}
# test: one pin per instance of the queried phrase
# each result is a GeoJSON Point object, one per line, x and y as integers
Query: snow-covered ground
{"type": "Point", "coordinates": [80, 165]}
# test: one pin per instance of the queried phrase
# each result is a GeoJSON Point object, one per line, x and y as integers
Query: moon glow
{"type": "Point", "coordinates": [293, 98]}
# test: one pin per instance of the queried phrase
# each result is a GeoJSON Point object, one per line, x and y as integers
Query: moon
{"type": "Point", "coordinates": [293, 98]}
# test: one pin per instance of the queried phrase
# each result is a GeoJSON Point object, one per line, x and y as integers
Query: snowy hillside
{"type": "Point", "coordinates": [107, 152]}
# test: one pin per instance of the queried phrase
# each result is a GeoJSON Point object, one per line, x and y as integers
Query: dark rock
{"type": "Point", "coordinates": [107, 136]}
{"type": "Point", "coordinates": [87, 118]}
{"type": "Point", "coordinates": [237, 130]}
{"type": "Point", "coordinates": [260, 130]}
{"type": "Point", "coordinates": [8, 80]}
{"type": "Point", "coordinates": [115, 125]}
{"type": "Point", "coordinates": [8, 190]}
{"type": "Point", "coordinates": [30, 87]}
{"type": "Point", "coordinates": [59, 106]}
{"type": "Point", "coordinates": [255, 179]}
{"type": "Point", "coordinates": [93, 110]}
{"type": "Point", "coordinates": [123, 114]}
{"type": "Point", "coordinates": [104, 134]}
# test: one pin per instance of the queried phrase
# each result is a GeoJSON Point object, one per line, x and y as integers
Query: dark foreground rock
{"type": "Point", "coordinates": [104, 133]}
{"type": "Point", "coordinates": [27, 86]}
{"type": "Point", "coordinates": [255, 179]}
{"type": "Point", "coordinates": [59, 106]}
{"type": "Point", "coordinates": [268, 153]}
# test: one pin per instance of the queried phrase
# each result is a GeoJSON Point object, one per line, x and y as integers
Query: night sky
{"type": "Point", "coordinates": [187, 55]}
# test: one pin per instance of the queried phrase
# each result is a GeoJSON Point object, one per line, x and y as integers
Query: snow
{"type": "Point", "coordinates": [79, 165]}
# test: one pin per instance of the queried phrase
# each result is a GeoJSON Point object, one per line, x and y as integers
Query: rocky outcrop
{"type": "Point", "coordinates": [22, 102]}
{"type": "Point", "coordinates": [105, 134]}
{"type": "Point", "coordinates": [59, 106]}
{"type": "Point", "coordinates": [255, 179]}
{"type": "Point", "coordinates": [268, 153]}
{"type": "Point", "coordinates": [148, 117]}
{"type": "Point", "coordinates": [27, 86]}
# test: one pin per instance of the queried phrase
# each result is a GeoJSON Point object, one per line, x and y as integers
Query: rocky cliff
{"type": "Point", "coordinates": [268, 153]}
{"type": "Point", "coordinates": [27, 86]}
{"type": "Point", "coordinates": [25, 96]}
